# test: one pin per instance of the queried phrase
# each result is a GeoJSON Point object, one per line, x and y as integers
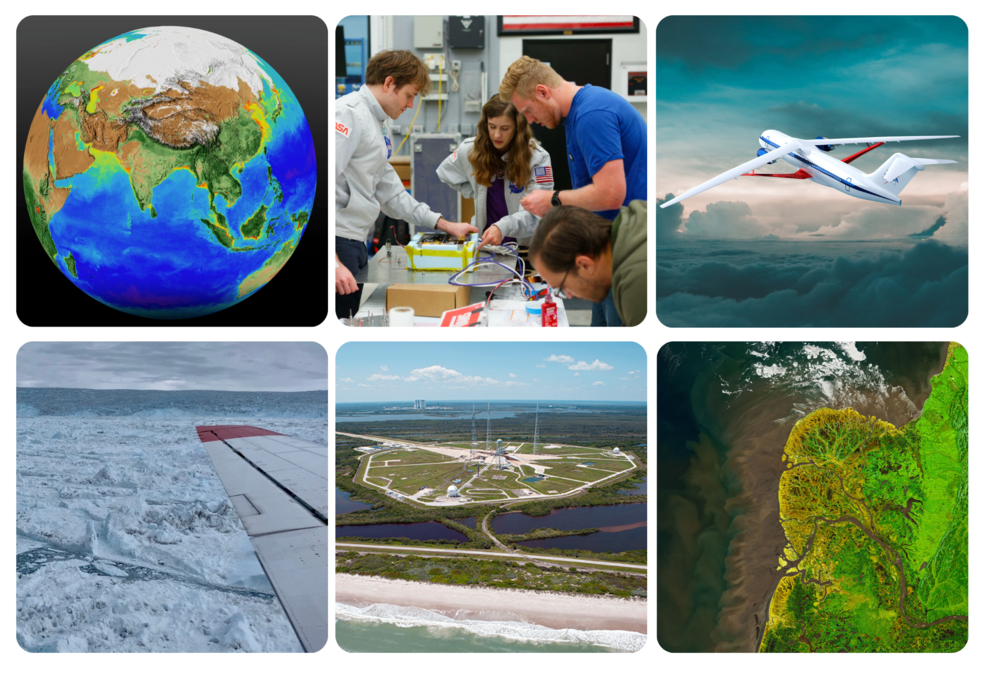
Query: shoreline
{"type": "Point", "coordinates": [548, 609]}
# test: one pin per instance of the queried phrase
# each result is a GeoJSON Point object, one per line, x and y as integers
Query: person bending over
{"type": "Point", "coordinates": [365, 182]}
{"type": "Point", "coordinates": [582, 255]}
{"type": "Point", "coordinates": [606, 143]}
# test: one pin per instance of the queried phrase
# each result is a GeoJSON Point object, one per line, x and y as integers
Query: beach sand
{"type": "Point", "coordinates": [554, 610]}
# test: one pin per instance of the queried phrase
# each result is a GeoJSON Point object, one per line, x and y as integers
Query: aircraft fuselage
{"type": "Point", "coordinates": [830, 171]}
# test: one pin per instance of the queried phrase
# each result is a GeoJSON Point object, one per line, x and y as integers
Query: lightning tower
{"type": "Point", "coordinates": [475, 442]}
{"type": "Point", "coordinates": [488, 430]}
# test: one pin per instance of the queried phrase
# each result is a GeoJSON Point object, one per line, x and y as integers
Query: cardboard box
{"type": "Point", "coordinates": [401, 165]}
{"type": "Point", "coordinates": [426, 299]}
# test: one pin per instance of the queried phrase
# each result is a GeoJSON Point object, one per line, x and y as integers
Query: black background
{"type": "Point", "coordinates": [297, 48]}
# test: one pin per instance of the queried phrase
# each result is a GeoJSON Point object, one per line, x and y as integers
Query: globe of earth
{"type": "Point", "coordinates": [169, 173]}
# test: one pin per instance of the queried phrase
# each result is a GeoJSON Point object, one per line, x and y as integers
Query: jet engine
{"type": "Point", "coordinates": [761, 152]}
{"type": "Point", "coordinates": [826, 148]}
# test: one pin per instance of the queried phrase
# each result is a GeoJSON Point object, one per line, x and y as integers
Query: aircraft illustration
{"type": "Point", "coordinates": [278, 485]}
{"type": "Point", "coordinates": [813, 163]}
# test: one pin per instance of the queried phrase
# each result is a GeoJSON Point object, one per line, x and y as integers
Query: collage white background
{"type": "Point", "coordinates": [651, 335]}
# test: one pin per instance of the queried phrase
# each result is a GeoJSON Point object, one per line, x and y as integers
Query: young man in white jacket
{"type": "Point", "coordinates": [500, 166]}
{"type": "Point", "coordinates": [365, 182]}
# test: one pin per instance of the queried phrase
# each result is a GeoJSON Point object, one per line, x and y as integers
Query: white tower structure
{"type": "Point", "coordinates": [475, 442]}
{"type": "Point", "coordinates": [488, 430]}
{"type": "Point", "coordinates": [453, 491]}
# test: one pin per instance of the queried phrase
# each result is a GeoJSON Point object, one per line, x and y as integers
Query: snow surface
{"type": "Point", "coordinates": [127, 541]}
{"type": "Point", "coordinates": [167, 55]}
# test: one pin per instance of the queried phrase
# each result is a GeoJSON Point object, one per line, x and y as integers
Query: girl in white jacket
{"type": "Point", "coordinates": [499, 167]}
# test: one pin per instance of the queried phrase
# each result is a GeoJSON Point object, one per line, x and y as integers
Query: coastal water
{"type": "Point", "coordinates": [623, 527]}
{"type": "Point", "coordinates": [419, 631]}
{"type": "Point", "coordinates": [723, 414]}
{"type": "Point", "coordinates": [457, 410]}
{"type": "Point", "coordinates": [639, 488]}
{"type": "Point", "coordinates": [418, 531]}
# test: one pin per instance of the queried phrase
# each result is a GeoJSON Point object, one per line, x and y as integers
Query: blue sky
{"type": "Point", "coordinates": [584, 371]}
{"type": "Point", "coordinates": [721, 81]}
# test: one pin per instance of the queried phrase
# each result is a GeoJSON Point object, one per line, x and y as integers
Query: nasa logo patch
{"type": "Point", "coordinates": [342, 128]}
{"type": "Point", "coordinates": [389, 146]}
{"type": "Point", "coordinates": [514, 188]}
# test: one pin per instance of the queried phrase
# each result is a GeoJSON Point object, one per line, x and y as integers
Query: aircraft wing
{"type": "Point", "coordinates": [278, 485]}
{"type": "Point", "coordinates": [872, 139]}
{"type": "Point", "coordinates": [736, 172]}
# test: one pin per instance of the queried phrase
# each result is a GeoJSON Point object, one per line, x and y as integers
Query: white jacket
{"type": "Point", "coordinates": [365, 183]}
{"type": "Point", "coordinates": [456, 172]}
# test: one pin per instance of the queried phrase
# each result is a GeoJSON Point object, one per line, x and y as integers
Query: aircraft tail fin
{"type": "Point", "coordinates": [897, 171]}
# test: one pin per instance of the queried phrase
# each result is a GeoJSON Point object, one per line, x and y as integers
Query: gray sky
{"type": "Point", "coordinates": [174, 366]}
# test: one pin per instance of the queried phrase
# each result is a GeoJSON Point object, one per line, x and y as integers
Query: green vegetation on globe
{"type": "Point", "coordinates": [876, 520]}
{"type": "Point", "coordinates": [169, 173]}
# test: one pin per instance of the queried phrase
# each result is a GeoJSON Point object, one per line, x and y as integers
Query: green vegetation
{"type": "Point", "coordinates": [877, 524]}
{"type": "Point", "coordinates": [220, 230]}
{"type": "Point", "coordinates": [491, 573]}
{"type": "Point", "coordinates": [254, 224]}
{"type": "Point", "coordinates": [70, 263]}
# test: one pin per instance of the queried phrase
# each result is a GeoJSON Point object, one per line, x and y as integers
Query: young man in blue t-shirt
{"type": "Point", "coordinates": [606, 143]}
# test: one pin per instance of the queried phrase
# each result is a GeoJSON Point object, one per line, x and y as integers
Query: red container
{"type": "Point", "coordinates": [548, 314]}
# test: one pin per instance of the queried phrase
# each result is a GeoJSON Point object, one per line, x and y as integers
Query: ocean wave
{"type": "Point", "coordinates": [409, 616]}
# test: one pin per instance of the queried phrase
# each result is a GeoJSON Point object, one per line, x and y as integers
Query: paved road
{"type": "Point", "coordinates": [560, 560]}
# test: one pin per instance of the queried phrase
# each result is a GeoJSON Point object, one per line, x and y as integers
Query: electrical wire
{"type": "Point", "coordinates": [420, 100]}
{"type": "Point", "coordinates": [486, 261]}
{"type": "Point", "coordinates": [440, 65]}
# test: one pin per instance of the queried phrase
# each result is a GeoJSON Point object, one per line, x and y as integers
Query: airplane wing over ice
{"type": "Point", "coordinates": [278, 485]}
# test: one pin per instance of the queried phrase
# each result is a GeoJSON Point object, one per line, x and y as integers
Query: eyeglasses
{"type": "Point", "coordinates": [560, 287]}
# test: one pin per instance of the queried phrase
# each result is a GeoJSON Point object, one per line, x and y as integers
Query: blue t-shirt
{"type": "Point", "coordinates": [602, 126]}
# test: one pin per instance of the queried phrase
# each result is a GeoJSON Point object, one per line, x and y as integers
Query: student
{"type": "Point", "coordinates": [365, 182]}
{"type": "Point", "coordinates": [500, 166]}
{"type": "Point", "coordinates": [606, 143]}
{"type": "Point", "coordinates": [583, 255]}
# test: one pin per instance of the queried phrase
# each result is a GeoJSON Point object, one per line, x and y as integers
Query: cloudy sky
{"type": "Point", "coordinates": [385, 372]}
{"type": "Point", "coordinates": [174, 366]}
{"type": "Point", "coordinates": [721, 81]}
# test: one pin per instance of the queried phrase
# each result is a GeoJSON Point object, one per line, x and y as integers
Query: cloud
{"type": "Point", "coordinates": [577, 374]}
{"type": "Point", "coordinates": [731, 219]}
{"type": "Point", "coordinates": [384, 368]}
{"type": "Point", "coordinates": [365, 386]}
{"type": "Point", "coordinates": [585, 367]}
{"type": "Point", "coordinates": [955, 230]}
{"type": "Point", "coordinates": [347, 380]}
{"type": "Point", "coordinates": [512, 376]}
{"type": "Point", "coordinates": [634, 372]}
{"type": "Point", "coordinates": [559, 359]}
{"type": "Point", "coordinates": [925, 285]}
{"type": "Point", "coordinates": [669, 220]}
{"type": "Point", "coordinates": [540, 365]}
{"type": "Point", "coordinates": [438, 374]}
{"type": "Point", "coordinates": [382, 377]}
{"type": "Point", "coordinates": [598, 383]}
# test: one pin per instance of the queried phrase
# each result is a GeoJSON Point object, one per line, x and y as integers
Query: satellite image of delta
{"type": "Point", "coordinates": [169, 173]}
{"type": "Point", "coordinates": [812, 497]}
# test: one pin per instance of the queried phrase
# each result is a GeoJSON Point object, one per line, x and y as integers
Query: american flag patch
{"type": "Point", "coordinates": [542, 174]}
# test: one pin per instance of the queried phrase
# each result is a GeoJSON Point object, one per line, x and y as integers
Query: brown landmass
{"type": "Point", "coordinates": [99, 130]}
{"type": "Point", "coordinates": [36, 149]}
{"type": "Point", "coordinates": [267, 271]}
{"type": "Point", "coordinates": [755, 457]}
{"type": "Point", "coordinates": [36, 164]}
{"type": "Point", "coordinates": [69, 159]}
